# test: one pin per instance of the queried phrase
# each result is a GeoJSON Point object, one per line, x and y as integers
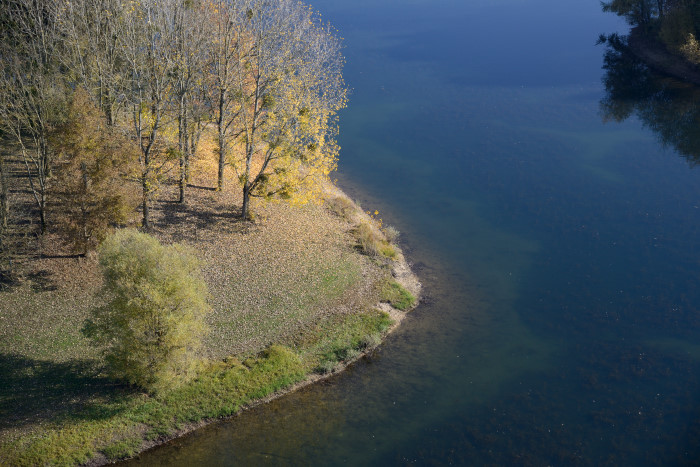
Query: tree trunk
{"type": "Point", "coordinates": [145, 221]}
{"type": "Point", "coordinates": [247, 186]}
{"type": "Point", "coordinates": [222, 140]}
{"type": "Point", "coordinates": [42, 212]}
{"type": "Point", "coordinates": [182, 145]}
{"type": "Point", "coordinates": [246, 201]}
{"type": "Point", "coordinates": [145, 185]}
{"type": "Point", "coordinates": [4, 202]}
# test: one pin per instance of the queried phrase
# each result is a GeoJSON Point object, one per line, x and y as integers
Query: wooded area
{"type": "Point", "coordinates": [103, 101]}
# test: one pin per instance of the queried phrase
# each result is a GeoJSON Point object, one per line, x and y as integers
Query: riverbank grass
{"type": "Point", "coordinates": [397, 296]}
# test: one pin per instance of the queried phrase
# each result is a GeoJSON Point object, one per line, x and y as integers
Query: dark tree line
{"type": "Point", "coordinates": [669, 108]}
{"type": "Point", "coordinates": [675, 23]}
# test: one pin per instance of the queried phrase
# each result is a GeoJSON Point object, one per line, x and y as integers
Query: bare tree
{"type": "Point", "coordinates": [147, 39]}
{"type": "Point", "coordinates": [31, 88]}
{"type": "Point", "coordinates": [4, 201]}
{"type": "Point", "coordinates": [91, 50]}
{"type": "Point", "coordinates": [190, 41]}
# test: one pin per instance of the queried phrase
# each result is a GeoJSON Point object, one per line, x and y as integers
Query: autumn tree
{"type": "Point", "coordinates": [94, 164]}
{"type": "Point", "coordinates": [289, 88]}
{"type": "Point", "coordinates": [227, 21]}
{"type": "Point", "coordinates": [153, 325]}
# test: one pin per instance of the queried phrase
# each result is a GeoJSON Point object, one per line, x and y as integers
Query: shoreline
{"type": "Point", "coordinates": [400, 271]}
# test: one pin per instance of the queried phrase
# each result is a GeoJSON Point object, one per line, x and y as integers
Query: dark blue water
{"type": "Point", "coordinates": [557, 239]}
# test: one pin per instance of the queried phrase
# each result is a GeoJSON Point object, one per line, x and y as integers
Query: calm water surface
{"type": "Point", "coordinates": [558, 247]}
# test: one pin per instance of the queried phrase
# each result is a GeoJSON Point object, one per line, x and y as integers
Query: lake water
{"type": "Point", "coordinates": [558, 247]}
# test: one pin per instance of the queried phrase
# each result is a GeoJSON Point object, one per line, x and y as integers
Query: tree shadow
{"type": "Point", "coordinates": [198, 187]}
{"type": "Point", "coordinates": [188, 221]}
{"type": "Point", "coordinates": [34, 391]}
{"type": "Point", "coordinates": [42, 281]}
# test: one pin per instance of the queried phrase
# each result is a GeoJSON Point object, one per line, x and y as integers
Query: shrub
{"type": "Point", "coordinates": [154, 323]}
{"type": "Point", "coordinates": [93, 164]}
{"type": "Point", "coordinates": [391, 233]}
{"type": "Point", "coordinates": [326, 366]}
{"type": "Point", "coordinates": [368, 239]}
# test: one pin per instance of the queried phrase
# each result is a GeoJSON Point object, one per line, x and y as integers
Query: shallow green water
{"type": "Point", "coordinates": [560, 254]}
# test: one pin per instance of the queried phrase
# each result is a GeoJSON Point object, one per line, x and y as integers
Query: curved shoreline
{"type": "Point", "coordinates": [401, 273]}
{"type": "Point", "coordinates": [657, 57]}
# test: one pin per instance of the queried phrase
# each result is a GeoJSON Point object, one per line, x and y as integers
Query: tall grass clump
{"type": "Point", "coordinates": [372, 242]}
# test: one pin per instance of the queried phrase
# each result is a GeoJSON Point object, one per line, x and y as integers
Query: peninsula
{"type": "Point", "coordinates": [210, 127]}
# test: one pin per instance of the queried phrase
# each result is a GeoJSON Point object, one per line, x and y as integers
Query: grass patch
{"type": "Point", "coordinates": [219, 391]}
{"type": "Point", "coordinates": [336, 341]}
{"type": "Point", "coordinates": [397, 296]}
{"type": "Point", "coordinates": [122, 449]}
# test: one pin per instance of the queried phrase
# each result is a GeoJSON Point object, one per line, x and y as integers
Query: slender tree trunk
{"type": "Point", "coordinates": [42, 211]}
{"type": "Point", "coordinates": [146, 189]}
{"type": "Point", "coordinates": [4, 202]}
{"type": "Point", "coordinates": [145, 221]}
{"type": "Point", "coordinates": [245, 211]}
{"type": "Point", "coordinates": [45, 154]}
{"type": "Point", "coordinates": [182, 145]}
{"type": "Point", "coordinates": [246, 201]}
{"type": "Point", "coordinates": [108, 107]}
{"type": "Point", "coordinates": [222, 140]}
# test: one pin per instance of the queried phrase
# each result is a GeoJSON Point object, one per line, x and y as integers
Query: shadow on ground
{"type": "Point", "coordinates": [34, 391]}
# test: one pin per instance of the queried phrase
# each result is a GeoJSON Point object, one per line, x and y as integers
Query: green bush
{"type": "Point", "coordinates": [154, 323]}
